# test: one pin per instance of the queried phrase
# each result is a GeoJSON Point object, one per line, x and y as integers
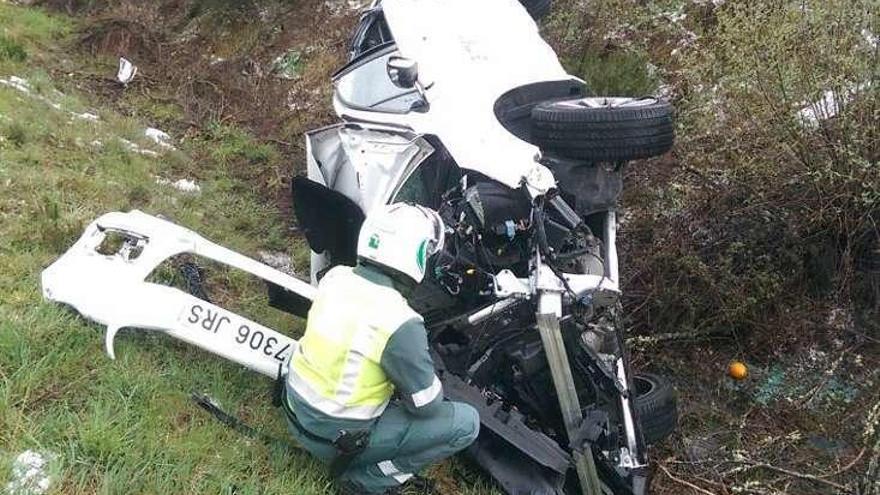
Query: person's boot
{"type": "Point", "coordinates": [349, 488]}
{"type": "Point", "coordinates": [417, 485]}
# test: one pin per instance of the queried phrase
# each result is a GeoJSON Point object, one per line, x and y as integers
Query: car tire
{"type": "Point", "coordinates": [537, 8]}
{"type": "Point", "coordinates": [656, 406]}
{"type": "Point", "coordinates": [194, 278]}
{"type": "Point", "coordinates": [604, 129]}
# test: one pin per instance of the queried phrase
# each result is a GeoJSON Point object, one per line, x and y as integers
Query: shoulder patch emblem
{"type": "Point", "coordinates": [422, 255]}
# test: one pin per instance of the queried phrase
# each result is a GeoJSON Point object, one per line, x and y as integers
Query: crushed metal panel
{"type": "Point", "coordinates": [509, 426]}
{"type": "Point", "coordinates": [111, 289]}
{"type": "Point", "coordinates": [366, 163]}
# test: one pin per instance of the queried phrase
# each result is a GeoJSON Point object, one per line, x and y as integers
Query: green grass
{"type": "Point", "coordinates": [11, 50]}
{"type": "Point", "coordinates": [32, 26]}
{"type": "Point", "coordinates": [123, 426]}
{"type": "Point", "coordinates": [128, 426]}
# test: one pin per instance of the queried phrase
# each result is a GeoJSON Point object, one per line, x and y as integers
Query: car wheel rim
{"type": "Point", "coordinates": [609, 102]}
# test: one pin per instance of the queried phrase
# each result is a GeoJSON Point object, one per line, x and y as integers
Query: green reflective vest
{"type": "Point", "coordinates": [336, 367]}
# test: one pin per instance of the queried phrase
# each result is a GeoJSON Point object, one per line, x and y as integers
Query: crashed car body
{"type": "Point", "coordinates": [459, 106]}
{"type": "Point", "coordinates": [474, 116]}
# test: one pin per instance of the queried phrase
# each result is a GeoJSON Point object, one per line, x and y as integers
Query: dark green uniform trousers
{"type": "Point", "coordinates": [402, 444]}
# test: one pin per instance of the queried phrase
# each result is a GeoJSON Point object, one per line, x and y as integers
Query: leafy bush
{"type": "Point", "coordinates": [773, 194]}
{"type": "Point", "coordinates": [617, 73]}
{"type": "Point", "coordinates": [787, 93]}
{"type": "Point", "coordinates": [223, 9]}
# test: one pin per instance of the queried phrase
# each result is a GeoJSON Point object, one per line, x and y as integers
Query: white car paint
{"type": "Point", "coordinates": [469, 54]}
{"type": "Point", "coordinates": [366, 165]}
{"type": "Point", "coordinates": [465, 64]}
{"type": "Point", "coordinates": [111, 289]}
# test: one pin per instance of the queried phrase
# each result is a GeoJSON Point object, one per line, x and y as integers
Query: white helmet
{"type": "Point", "coordinates": [401, 237]}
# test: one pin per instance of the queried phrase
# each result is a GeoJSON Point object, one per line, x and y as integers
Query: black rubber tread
{"type": "Point", "coordinates": [537, 8]}
{"type": "Point", "coordinates": [597, 131]}
{"type": "Point", "coordinates": [657, 409]}
{"type": "Point", "coordinates": [552, 111]}
{"type": "Point", "coordinates": [609, 143]}
{"type": "Point", "coordinates": [593, 155]}
{"type": "Point", "coordinates": [606, 120]}
{"type": "Point", "coordinates": [648, 126]}
{"type": "Point", "coordinates": [605, 133]}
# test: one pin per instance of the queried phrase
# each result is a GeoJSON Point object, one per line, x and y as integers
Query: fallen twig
{"type": "Point", "coordinates": [683, 482]}
{"type": "Point", "coordinates": [666, 337]}
{"type": "Point", "coordinates": [848, 466]}
{"type": "Point", "coordinates": [750, 464]}
{"type": "Point", "coordinates": [713, 483]}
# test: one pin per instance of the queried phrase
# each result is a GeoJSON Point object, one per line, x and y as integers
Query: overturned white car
{"type": "Point", "coordinates": [473, 116]}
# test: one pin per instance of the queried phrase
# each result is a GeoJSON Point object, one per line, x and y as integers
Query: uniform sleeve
{"type": "Point", "coordinates": [409, 366]}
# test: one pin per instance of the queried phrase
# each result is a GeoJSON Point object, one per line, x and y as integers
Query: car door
{"type": "Point", "coordinates": [352, 169]}
{"type": "Point", "coordinates": [364, 84]}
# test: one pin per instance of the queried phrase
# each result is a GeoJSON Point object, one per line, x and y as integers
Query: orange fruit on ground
{"type": "Point", "coordinates": [738, 370]}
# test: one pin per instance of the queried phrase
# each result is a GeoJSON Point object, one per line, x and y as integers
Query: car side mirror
{"type": "Point", "coordinates": [404, 72]}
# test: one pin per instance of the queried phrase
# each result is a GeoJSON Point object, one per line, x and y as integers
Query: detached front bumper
{"type": "Point", "coordinates": [111, 289]}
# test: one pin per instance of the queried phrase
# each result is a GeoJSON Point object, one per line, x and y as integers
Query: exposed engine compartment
{"type": "Point", "coordinates": [493, 230]}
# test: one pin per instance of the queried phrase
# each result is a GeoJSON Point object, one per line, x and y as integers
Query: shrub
{"type": "Point", "coordinates": [615, 73]}
{"type": "Point", "coordinates": [772, 195]}
{"type": "Point", "coordinates": [790, 101]}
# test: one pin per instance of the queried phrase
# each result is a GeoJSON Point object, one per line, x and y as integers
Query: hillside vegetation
{"type": "Point", "coordinates": [755, 239]}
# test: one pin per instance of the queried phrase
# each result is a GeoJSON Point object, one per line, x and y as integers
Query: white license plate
{"type": "Point", "coordinates": [235, 333]}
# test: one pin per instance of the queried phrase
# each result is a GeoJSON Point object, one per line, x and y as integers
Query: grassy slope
{"type": "Point", "coordinates": [123, 426]}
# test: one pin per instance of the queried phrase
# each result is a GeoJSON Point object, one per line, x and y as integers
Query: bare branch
{"type": "Point", "coordinates": [683, 482]}
{"type": "Point", "coordinates": [750, 464]}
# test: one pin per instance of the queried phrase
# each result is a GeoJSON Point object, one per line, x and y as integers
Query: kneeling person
{"type": "Point", "coordinates": [363, 343]}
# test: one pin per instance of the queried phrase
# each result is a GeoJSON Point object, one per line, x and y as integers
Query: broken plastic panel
{"type": "Point", "coordinates": [126, 71]}
{"type": "Point", "coordinates": [103, 276]}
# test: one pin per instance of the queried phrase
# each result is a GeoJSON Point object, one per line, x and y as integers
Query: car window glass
{"type": "Point", "coordinates": [426, 185]}
{"type": "Point", "coordinates": [414, 191]}
{"type": "Point", "coordinates": [365, 84]}
{"type": "Point", "coordinates": [371, 32]}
